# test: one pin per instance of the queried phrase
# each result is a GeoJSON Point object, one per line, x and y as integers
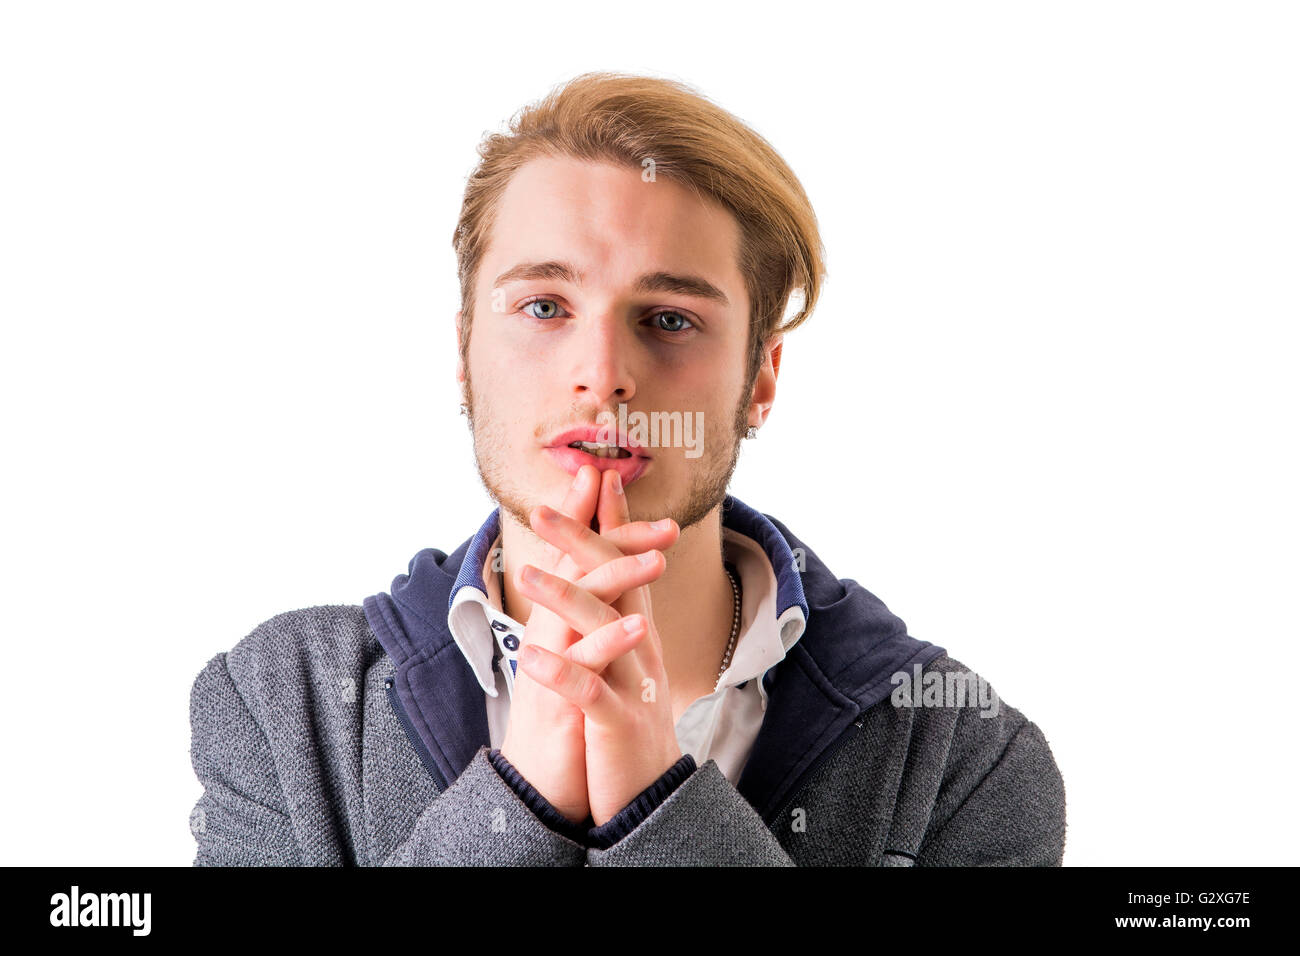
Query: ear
{"type": "Point", "coordinates": [760, 405]}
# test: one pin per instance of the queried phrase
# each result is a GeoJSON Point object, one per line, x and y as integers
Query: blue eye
{"type": "Point", "coordinates": [681, 318]}
{"type": "Point", "coordinates": [532, 302]}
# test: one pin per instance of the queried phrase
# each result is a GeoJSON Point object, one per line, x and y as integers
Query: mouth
{"type": "Point", "coordinates": [571, 457]}
{"type": "Point", "coordinates": [599, 450]}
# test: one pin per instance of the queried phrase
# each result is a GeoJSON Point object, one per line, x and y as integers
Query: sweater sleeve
{"type": "Point", "coordinates": [537, 803]}
{"type": "Point", "coordinates": [587, 833]}
{"type": "Point", "coordinates": [480, 821]}
{"type": "Point", "coordinates": [243, 819]}
{"type": "Point", "coordinates": [690, 816]}
{"type": "Point", "coordinates": [704, 821]}
{"type": "Point", "coordinates": [1014, 816]}
{"type": "Point", "coordinates": [644, 804]}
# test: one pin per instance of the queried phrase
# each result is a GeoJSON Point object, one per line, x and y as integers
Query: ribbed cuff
{"type": "Point", "coordinates": [541, 807]}
{"type": "Point", "coordinates": [647, 801]}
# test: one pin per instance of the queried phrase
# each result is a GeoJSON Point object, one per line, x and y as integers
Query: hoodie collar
{"type": "Point", "coordinates": [850, 646]}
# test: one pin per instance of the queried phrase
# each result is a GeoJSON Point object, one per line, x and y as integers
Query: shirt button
{"type": "Point", "coordinates": [511, 642]}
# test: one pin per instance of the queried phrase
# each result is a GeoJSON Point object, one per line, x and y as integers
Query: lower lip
{"type": "Point", "coordinates": [570, 459]}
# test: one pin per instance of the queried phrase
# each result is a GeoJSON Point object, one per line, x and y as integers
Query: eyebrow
{"type": "Point", "coordinates": [669, 282]}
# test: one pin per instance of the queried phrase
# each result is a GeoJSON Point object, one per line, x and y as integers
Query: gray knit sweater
{"type": "Point", "coordinates": [304, 762]}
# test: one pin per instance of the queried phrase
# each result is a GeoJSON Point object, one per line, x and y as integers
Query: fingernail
{"type": "Point", "coordinates": [617, 482]}
{"type": "Point", "coordinates": [529, 574]}
{"type": "Point", "coordinates": [580, 479]}
{"type": "Point", "coordinates": [546, 513]}
{"type": "Point", "coordinates": [646, 557]}
{"type": "Point", "coordinates": [632, 624]}
{"type": "Point", "coordinates": [663, 524]}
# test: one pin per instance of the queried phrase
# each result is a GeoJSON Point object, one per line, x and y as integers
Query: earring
{"type": "Point", "coordinates": [752, 432]}
{"type": "Point", "coordinates": [463, 408]}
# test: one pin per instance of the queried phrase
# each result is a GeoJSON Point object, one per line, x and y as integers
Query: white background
{"type": "Point", "coordinates": [1046, 409]}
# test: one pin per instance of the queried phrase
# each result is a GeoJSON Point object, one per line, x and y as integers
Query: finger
{"type": "Point", "coordinates": [575, 683]}
{"type": "Point", "coordinates": [637, 536]}
{"type": "Point", "coordinates": [612, 511]}
{"type": "Point", "coordinates": [547, 629]}
{"type": "Point", "coordinates": [584, 491]}
{"type": "Point", "coordinates": [611, 508]}
{"type": "Point", "coordinates": [579, 504]}
{"type": "Point", "coordinates": [606, 584]}
{"type": "Point", "coordinates": [582, 604]}
{"type": "Point", "coordinates": [648, 653]}
{"type": "Point", "coordinates": [646, 656]}
{"type": "Point", "coordinates": [588, 549]}
{"type": "Point", "coordinates": [608, 643]}
{"type": "Point", "coordinates": [622, 575]}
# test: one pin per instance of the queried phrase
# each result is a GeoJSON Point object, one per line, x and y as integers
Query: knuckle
{"type": "Point", "coordinates": [562, 588]}
{"type": "Point", "coordinates": [588, 688]}
{"type": "Point", "coordinates": [558, 669]}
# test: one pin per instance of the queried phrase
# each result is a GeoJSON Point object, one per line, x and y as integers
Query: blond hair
{"type": "Point", "coordinates": [626, 119]}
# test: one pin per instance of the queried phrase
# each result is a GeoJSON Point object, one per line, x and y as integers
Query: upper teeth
{"type": "Point", "coordinates": [601, 451]}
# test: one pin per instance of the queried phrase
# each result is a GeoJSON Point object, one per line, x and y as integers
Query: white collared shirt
{"type": "Point", "coordinates": [720, 726]}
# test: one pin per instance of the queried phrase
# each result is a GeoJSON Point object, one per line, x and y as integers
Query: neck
{"type": "Point", "coordinates": [691, 602]}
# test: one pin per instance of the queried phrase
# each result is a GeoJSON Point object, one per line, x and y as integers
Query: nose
{"type": "Point", "coordinates": [602, 373]}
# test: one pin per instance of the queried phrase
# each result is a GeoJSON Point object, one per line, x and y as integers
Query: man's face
{"type": "Point", "coordinates": [550, 352]}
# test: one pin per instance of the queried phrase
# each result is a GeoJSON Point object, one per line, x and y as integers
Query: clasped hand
{"type": "Point", "coordinates": [591, 722]}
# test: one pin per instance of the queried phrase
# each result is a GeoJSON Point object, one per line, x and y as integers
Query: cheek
{"type": "Point", "coordinates": [510, 392]}
{"type": "Point", "coordinates": [504, 356]}
{"type": "Point", "coordinates": [496, 360]}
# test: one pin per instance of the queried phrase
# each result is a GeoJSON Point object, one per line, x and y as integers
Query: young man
{"type": "Point", "coordinates": [625, 664]}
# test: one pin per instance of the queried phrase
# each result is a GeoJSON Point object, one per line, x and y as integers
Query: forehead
{"type": "Point", "coordinates": [612, 223]}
